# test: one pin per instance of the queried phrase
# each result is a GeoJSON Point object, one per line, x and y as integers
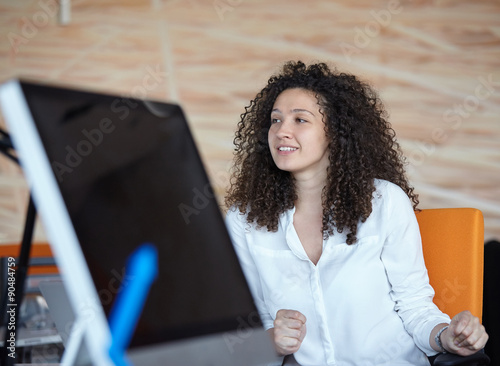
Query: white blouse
{"type": "Point", "coordinates": [366, 304]}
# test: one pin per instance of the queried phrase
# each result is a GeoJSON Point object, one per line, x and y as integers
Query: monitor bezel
{"type": "Point", "coordinates": [90, 320]}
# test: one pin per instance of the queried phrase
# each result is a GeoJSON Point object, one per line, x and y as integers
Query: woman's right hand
{"type": "Point", "coordinates": [289, 331]}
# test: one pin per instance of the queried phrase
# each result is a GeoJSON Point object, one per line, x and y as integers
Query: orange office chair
{"type": "Point", "coordinates": [41, 257]}
{"type": "Point", "coordinates": [453, 245]}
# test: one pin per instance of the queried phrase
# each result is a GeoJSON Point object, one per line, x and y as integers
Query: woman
{"type": "Point", "coordinates": [322, 219]}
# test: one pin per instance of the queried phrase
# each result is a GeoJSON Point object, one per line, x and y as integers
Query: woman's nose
{"type": "Point", "coordinates": [284, 130]}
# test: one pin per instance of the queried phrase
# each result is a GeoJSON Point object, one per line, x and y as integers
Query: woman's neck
{"type": "Point", "coordinates": [310, 194]}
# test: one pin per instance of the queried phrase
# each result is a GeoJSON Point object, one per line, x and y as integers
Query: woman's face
{"type": "Point", "coordinates": [297, 137]}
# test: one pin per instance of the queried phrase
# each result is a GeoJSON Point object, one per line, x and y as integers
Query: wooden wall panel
{"type": "Point", "coordinates": [434, 63]}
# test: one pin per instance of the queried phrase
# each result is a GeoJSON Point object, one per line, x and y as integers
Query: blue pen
{"type": "Point", "coordinates": [141, 270]}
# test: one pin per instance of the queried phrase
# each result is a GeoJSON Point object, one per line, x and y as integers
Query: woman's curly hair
{"type": "Point", "coordinates": [362, 147]}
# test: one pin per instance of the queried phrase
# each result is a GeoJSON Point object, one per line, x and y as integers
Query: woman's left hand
{"type": "Point", "coordinates": [465, 335]}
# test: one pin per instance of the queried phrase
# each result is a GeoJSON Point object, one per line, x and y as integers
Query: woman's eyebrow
{"type": "Point", "coordinates": [299, 110]}
{"type": "Point", "coordinates": [296, 110]}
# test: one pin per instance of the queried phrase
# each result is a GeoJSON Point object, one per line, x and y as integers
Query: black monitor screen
{"type": "Point", "coordinates": [129, 173]}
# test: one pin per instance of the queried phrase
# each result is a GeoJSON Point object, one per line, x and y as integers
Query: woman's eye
{"type": "Point", "coordinates": [300, 120]}
{"type": "Point", "coordinates": [275, 120]}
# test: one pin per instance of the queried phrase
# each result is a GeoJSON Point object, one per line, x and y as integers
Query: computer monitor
{"type": "Point", "coordinates": [110, 173]}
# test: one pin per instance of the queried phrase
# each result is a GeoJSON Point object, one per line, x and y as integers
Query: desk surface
{"type": "Point", "coordinates": [25, 337]}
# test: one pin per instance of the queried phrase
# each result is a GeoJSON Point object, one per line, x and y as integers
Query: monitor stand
{"type": "Point", "coordinates": [76, 351]}
{"type": "Point", "coordinates": [70, 327]}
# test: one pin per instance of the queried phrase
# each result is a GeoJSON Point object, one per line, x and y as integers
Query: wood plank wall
{"type": "Point", "coordinates": [435, 64]}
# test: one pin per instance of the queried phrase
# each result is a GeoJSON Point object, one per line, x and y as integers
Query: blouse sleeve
{"type": "Point", "coordinates": [404, 263]}
{"type": "Point", "coordinates": [237, 226]}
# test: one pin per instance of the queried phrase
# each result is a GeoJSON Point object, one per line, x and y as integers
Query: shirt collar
{"type": "Point", "coordinates": [291, 236]}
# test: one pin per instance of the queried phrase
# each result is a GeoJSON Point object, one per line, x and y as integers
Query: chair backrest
{"type": "Point", "coordinates": [453, 245]}
{"type": "Point", "coordinates": [40, 254]}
